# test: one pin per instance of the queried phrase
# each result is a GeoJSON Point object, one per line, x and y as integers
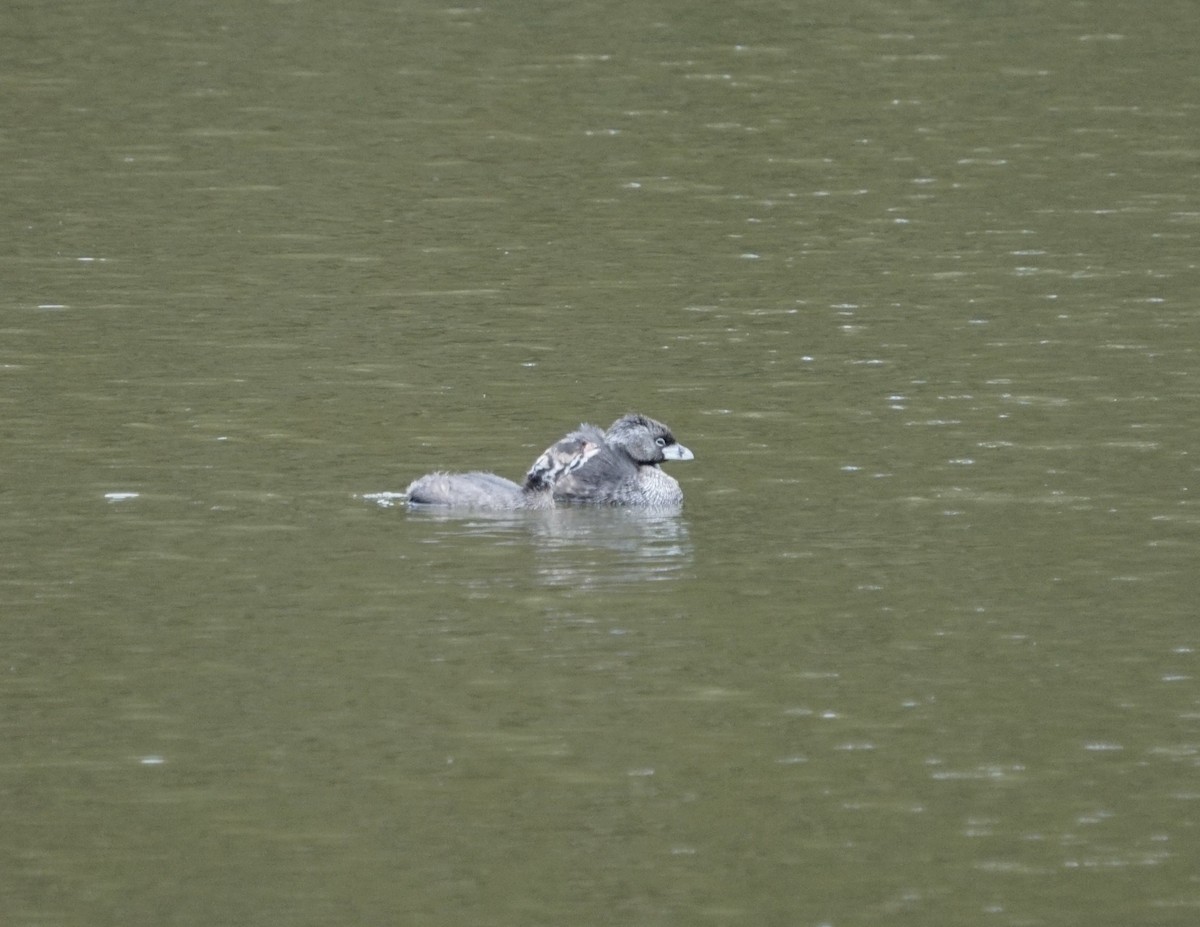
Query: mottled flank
{"type": "Point", "coordinates": [479, 490]}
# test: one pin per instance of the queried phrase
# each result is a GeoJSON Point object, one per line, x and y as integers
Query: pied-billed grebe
{"type": "Point", "coordinates": [589, 466]}
{"type": "Point", "coordinates": [488, 491]}
{"type": "Point", "coordinates": [626, 470]}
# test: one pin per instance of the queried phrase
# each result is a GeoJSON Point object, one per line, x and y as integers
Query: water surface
{"type": "Point", "coordinates": [916, 285]}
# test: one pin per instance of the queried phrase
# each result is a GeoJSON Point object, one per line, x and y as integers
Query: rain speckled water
{"type": "Point", "coordinates": [916, 284]}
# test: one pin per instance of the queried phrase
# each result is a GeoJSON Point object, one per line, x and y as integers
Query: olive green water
{"type": "Point", "coordinates": [918, 285]}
